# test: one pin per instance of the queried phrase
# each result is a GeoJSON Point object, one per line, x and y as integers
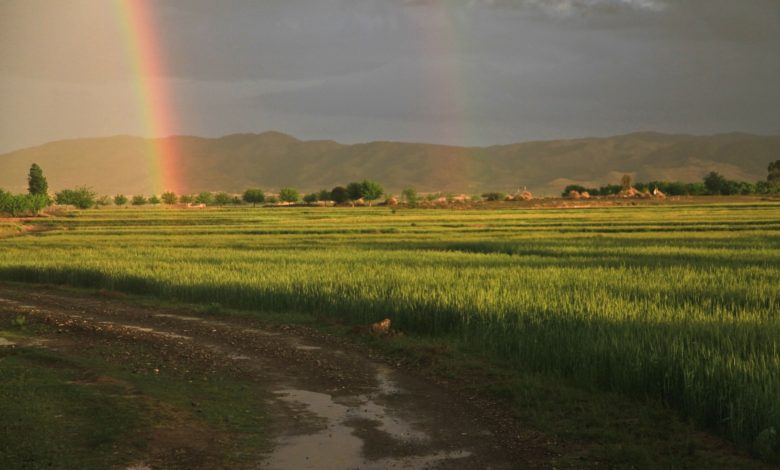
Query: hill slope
{"type": "Point", "coordinates": [271, 160]}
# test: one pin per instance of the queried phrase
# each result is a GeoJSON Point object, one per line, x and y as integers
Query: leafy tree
{"type": "Point", "coordinates": [36, 182]}
{"type": "Point", "coordinates": [773, 175]}
{"type": "Point", "coordinates": [254, 196]}
{"type": "Point", "coordinates": [120, 200]}
{"type": "Point", "coordinates": [153, 200]}
{"type": "Point", "coordinates": [186, 198]}
{"type": "Point", "coordinates": [410, 196]}
{"type": "Point", "coordinates": [13, 204]}
{"type": "Point", "coordinates": [169, 197]}
{"type": "Point", "coordinates": [339, 195]}
{"type": "Point", "coordinates": [323, 195]}
{"type": "Point", "coordinates": [289, 195]}
{"type": "Point", "coordinates": [371, 190]}
{"type": "Point", "coordinates": [18, 204]}
{"type": "Point", "coordinates": [715, 183]}
{"type": "Point", "coordinates": [310, 198]}
{"type": "Point", "coordinates": [272, 199]}
{"type": "Point", "coordinates": [625, 181]}
{"type": "Point", "coordinates": [354, 191]}
{"type": "Point", "coordinates": [81, 197]}
{"type": "Point", "coordinates": [36, 202]}
{"type": "Point", "coordinates": [138, 200]}
{"type": "Point", "coordinates": [204, 197]}
{"type": "Point", "coordinates": [222, 198]}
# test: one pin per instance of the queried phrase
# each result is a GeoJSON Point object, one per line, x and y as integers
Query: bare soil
{"type": "Point", "coordinates": [330, 403]}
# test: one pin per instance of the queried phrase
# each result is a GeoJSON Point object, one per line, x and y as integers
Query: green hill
{"type": "Point", "coordinates": [272, 160]}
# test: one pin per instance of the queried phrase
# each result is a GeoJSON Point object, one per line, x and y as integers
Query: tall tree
{"type": "Point", "coordinates": [371, 190]}
{"type": "Point", "coordinates": [774, 172]}
{"type": "Point", "coordinates": [36, 182]}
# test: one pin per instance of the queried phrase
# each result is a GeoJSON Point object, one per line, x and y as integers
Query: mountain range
{"type": "Point", "coordinates": [271, 160]}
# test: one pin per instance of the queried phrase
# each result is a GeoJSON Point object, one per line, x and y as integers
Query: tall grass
{"type": "Point", "coordinates": [674, 303]}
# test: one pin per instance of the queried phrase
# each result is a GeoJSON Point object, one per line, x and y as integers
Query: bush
{"type": "Point", "coordinates": [120, 200]}
{"type": "Point", "coordinates": [169, 197]}
{"type": "Point", "coordinates": [81, 197]}
{"type": "Point", "coordinates": [310, 198]}
{"type": "Point", "coordinates": [138, 200]}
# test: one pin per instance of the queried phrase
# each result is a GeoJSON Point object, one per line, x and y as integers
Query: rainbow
{"type": "Point", "coordinates": [142, 41]}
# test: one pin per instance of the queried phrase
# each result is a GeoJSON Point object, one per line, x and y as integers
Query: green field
{"type": "Point", "coordinates": [674, 303]}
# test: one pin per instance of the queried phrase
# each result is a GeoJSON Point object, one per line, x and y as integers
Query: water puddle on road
{"type": "Point", "coordinates": [304, 347]}
{"type": "Point", "coordinates": [337, 442]}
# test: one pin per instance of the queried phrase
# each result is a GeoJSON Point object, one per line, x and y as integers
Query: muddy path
{"type": "Point", "coordinates": [330, 403]}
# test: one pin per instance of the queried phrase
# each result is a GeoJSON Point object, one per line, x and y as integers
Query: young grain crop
{"type": "Point", "coordinates": [677, 303]}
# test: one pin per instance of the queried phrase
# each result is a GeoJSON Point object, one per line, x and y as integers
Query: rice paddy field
{"type": "Point", "coordinates": [674, 303]}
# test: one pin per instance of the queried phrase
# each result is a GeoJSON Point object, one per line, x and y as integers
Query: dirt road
{"type": "Point", "coordinates": [329, 403]}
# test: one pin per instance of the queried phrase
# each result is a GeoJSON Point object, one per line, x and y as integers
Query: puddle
{"type": "Point", "coordinates": [239, 357]}
{"type": "Point", "coordinates": [304, 347]}
{"type": "Point", "coordinates": [385, 384]}
{"type": "Point", "coordinates": [337, 443]}
{"type": "Point", "coordinates": [5, 342]}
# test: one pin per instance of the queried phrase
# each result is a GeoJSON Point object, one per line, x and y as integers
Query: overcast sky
{"type": "Point", "coordinates": [471, 72]}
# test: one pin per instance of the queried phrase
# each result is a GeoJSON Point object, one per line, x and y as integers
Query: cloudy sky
{"type": "Point", "coordinates": [470, 72]}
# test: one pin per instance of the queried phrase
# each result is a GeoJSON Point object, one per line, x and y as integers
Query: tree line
{"type": "Point", "coordinates": [366, 191]}
{"type": "Point", "coordinates": [713, 184]}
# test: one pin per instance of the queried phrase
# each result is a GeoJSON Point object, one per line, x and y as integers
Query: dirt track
{"type": "Point", "coordinates": [331, 405]}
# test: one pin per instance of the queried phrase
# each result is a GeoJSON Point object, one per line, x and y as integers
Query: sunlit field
{"type": "Point", "coordinates": [679, 304]}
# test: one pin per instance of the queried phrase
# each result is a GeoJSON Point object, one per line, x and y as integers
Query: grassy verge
{"type": "Point", "coordinates": [103, 406]}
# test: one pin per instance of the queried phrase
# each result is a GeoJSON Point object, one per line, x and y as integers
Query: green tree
{"type": "Point", "coordinates": [371, 190]}
{"type": "Point", "coordinates": [222, 198]}
{"type": "Point", "coordinates": [186, 198]}
{"type": "Point", "coordinates": [36, 202]}
{"type": "Point", "coordinates": [773, 175]}
{"type": "Point", "coordinates": [153, 200]}
{"type": "Point", "coordinates": [339, 195]}
{"type": "Point", "coordinates": [120, 200]}
{"type": "Point", "coordinates": [354, 191]}
{"type": "Point", "coordinates": [138, 200]}
{"type": "Point", "coordinates": [715, 183]}
{"type": "Point", "coordinates": [204, 197]}
{"type": "Point", "coordinates": [254, 195]}
{"type": "Point", "coordinates": [36, 182]}
{"type": "Point", "coordinates": [323, 195]}
{"type": "Point", "coordinates": [289, 195]}
{"type": "Point", "coordinates": [310, 198]}
{"type": "Point", "coordinates": [81, 197]}
{"type": "Point", "coordinates": [169, 197]}
{"type": "Point", "coordinates": [410, 196]}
